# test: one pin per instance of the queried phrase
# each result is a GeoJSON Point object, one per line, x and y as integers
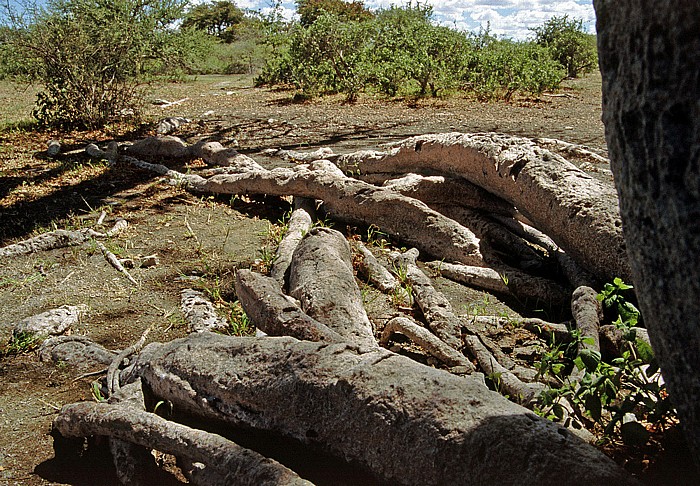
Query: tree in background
{"type": "Point", "coordinates": [92, 56]}
{"type": "Point", "coordinates": [218, 19]}
{"type": "Point", "coordinates": [310, 10]}
{"type": "Point", "coordinates": [569, 43]}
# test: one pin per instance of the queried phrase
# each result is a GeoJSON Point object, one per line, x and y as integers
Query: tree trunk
{"type": "Point", "coordinates": [650, 61]}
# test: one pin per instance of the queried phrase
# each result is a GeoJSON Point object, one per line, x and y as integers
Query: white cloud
{"type": "Point", "coordinates": [509, 18]}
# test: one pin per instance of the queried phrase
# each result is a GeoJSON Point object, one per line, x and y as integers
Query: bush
{"type": "Point", "coordinates": [92, 56]}
{"type": "Point", "coordinates": [400, 51]}
{"type": "Point", "coordinates": [502, 67]}
{"type": "Point", "coordinates": [328, 57]}
{"type": "Point", "coordinates": [406, 46]}
{"type": "Point", "coordinates": [569, 44]}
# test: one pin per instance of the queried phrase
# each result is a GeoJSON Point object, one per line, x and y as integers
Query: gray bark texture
{"type": "Point", "coordinates": [406, 422]}
{"type": "Point", "coordinates": [650, 61]}
{"type": "Point", "coordinates": [321, 277]}
{"type": "Point", "coordinates": [127, 423]}
{"type": "Point", "coordinates": [275, 313]}
{"type": "Point", "coordinates": [578, 212]}
{"type": "Point", "coordinates": [345, 199]}
{"type": "Point", "coordinates": [299, 224]}
{"type": "Point", "coordinates": [199, 312]}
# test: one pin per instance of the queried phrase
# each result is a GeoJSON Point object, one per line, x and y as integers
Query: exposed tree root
{"type": "Point", "coordinates": [238, 466]}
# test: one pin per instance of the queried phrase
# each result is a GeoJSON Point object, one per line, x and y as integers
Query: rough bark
{"type": "Point", "coordinates": [574, 209]}
{"type": "Point", "coordinates": [367, 406]}
{"type": "Point", "coordinates": [504, 380]}
{"type": "Point", "coordinates": [199, 312]}
{"type": "Point", "coordinates": [299, 224]}
{"type": "Point", "coordinates": [77, 351]}
{"type": "Point", "coordinates": [434, 190]}
{"type": "Point", "coordinates": [374, 271]}
{"type": "Point", "coordinates": [426, 340]}
{"type": "Point", "coordinates": [275, 313]}
{"type": "Point", "coordinates": [45, 241]}
{"type": "Point", "coordinates": [52, 322]}
{"type": "Point", "coordinates": [440, 317]}
{"type": "Point", "coordinates": [559, 332]}
{"type": "Point", "coordinates": [241, 466]}
{"type": "Point", "coordinates": [613, 340]}
{"type": "Point", "coordinates": [497, 243]}
{"type": "Point", "coordinates": [519, 284]}
{"type": "Point", "coordinates": [650, 61]}
{"type": "Point", "coordinates": [435, 307]}
{"type": "Point", "coordinates": [587, 313]}
{"type": "Point", "coordinates": [321, 277]}
{"type": "Point", "coordinates": [345, 199]}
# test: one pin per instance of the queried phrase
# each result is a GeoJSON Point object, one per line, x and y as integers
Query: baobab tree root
{"type": "Point", "coordinates": [320, 376]}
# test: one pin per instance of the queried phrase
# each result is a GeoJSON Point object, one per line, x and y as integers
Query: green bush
{"type": "Point", "coordinates": [92, 56]}
{"type": "Point", "coordinates": [311, 10]}
{"type": "Point", "coordinates": [501, 68]}
{"type": "Point", "coordinates": [328, 57]}
{"type": "Point", "coordinates": [405, 46]}
{"type": "Point", "coordinates": [569, 44]}
{"type": "Point", "coordinates": [399, 51]}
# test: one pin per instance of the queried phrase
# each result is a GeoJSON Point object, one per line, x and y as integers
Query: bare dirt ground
{"type": "Point", "coordinates": [200, 241]}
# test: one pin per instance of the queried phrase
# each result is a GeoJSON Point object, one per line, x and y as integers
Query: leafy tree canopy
{"type": "Point", "coordinates": [310, 10]}
{"type": "Point", "coordinates": [216, 18]}
{"type": "Point", "coordinates": [92, 56]}
{"type": "Point", "coordinates": [569, 43]}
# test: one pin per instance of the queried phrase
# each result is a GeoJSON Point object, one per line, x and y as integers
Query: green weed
{"type": "Point", "coordinates": [614, 398]}
{"type": "Point", "coordinates": [20, 343]}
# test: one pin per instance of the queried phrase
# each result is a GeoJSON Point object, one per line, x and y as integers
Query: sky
{"type": "Point", "coordinates": [507, 18]}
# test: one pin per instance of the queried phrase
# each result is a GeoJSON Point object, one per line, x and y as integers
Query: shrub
{"type": "Point", "coordinates": [405, 45]}
{"type": "Point", "coordinates": [569, 44]}
{"type": "Point", "coordinates": [503, 67]}
{"type": "Point", "coordinates": [400, 51]}
{"type": "Point", "coordinates": [92, 56]}
{"type": "Point", "coordinates": [311, 10]}
{"type": "Point", "coordinates": [328, 57]}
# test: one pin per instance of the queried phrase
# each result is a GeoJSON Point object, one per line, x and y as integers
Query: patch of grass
{"type": "Point", "coordinates": [239, 322]}
{"type": "Point", "coordinates": [20, 343]}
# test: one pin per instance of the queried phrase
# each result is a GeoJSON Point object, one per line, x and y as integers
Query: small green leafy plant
{"type": "Point", "coordinates": [20, 343]}
{"type": "Point", "coordinates": [615, 398]}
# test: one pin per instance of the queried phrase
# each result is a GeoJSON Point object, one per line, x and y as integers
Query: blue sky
{"type": "Point", "coordinates": [509, 18]}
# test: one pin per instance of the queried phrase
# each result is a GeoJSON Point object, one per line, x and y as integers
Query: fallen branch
{"type": "Point", "coordinates": [114, 261]}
